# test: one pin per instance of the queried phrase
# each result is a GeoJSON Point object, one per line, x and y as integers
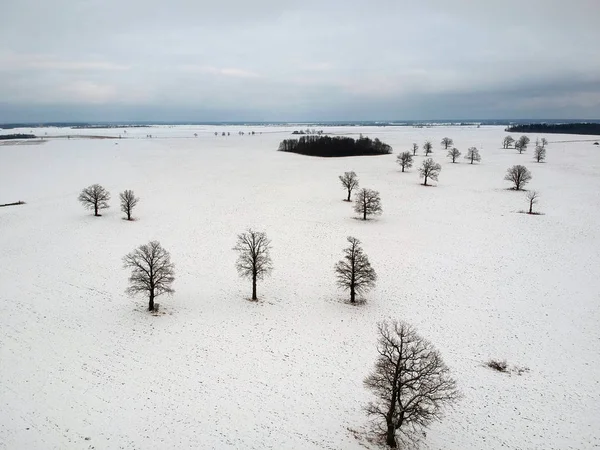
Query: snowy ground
{"type": "Point", "coordinates": [83, 366]}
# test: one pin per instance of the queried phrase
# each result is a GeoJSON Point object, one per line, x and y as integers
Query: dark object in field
{"type": "Point", "coordinates": [13, 204]}
{"type": "Point", "coordinates": [563, 128]}
{"type": "Point", "coordinates": [327, 146]}
{"type": "Point", "coordinates": [6, 137]}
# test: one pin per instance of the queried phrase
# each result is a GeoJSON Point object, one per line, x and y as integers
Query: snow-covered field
{"type": "Point", "coordinates": [84, 366]}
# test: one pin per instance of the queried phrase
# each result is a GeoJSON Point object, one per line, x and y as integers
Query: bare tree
{"type": "Point", "coordinates": [532, 198]}
{"type": "Point", "coordinates": [473, 155]}
{"type": "Point", "coordinates": [520, 147]}
{"type": "Point", "coordinates": [254, 259]}
{"type": "Point", "coordinates": [405, 159]}
{"type": "Point", "coordinates": [539, 153]}
{"type": "Point", "coordinates": [523, 142]}
{"type": "Point", "coordinates": [354, 272]}
{"type": "Point", "coordinates": [415, 147]}
{"type": "Point", "coordinates": [94, 197]}
{"type": "Point", "coordinates": [454, 153]}
{"type": "Point", "coordinates": [152, 271]}
{"type": "Point", "coordinates": [447, 142]}
{"type": "Point", "coordinates": [128, 202]}
{"type": "Point", "coordinates": [349, 181]}
{"type": "Point", "coordinates": [411, 383]}
{"type": "Point", "coordinates": [507, 142]}
{"type": "Point", "coordinates": [429, 169]}
{"type": "Point", "coordinates": [428, 148]}
{"type": "Point", "coordinates": [367, 202]}
{"type": "Point", "coordinates": [544, 142]}
{"type": "Point", "coordinates": [519, 176]}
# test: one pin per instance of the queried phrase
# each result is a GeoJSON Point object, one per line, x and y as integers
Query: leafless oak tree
{"type": "Point", "coordinates": [405, 159]}
{"type": "Point", "coordinates": [367, 202]}
{"type": "Point", "coordinates": [523, 142]}
{"type": "Point", "coordinates": [254, 259]}
{"type": "Point", "coordinates": [94, 197]}
{"type": "Point", "coordinates": [473, 155]}
{"type": "Point", "coordinates": [349, 181]}
{"type": "Point", "coordinates": [411, 383]}
{"type": "Point", "coordinates": [415, 147]}
{"type": "Point", "coordinates": [532, 198]}
{"type": "Point", "coordinates": [519, 176]}
{"type": "Point", "coordinates": [354, 272]}
{"type": "Point", "coordinates": [454, 153]}
{"type": "Point", "coordinates": [152, 271]}
{"type": "Point", "coordinates": [507, 142]}
{"type": "Point", "coordinates": [544, 142]}
{"type": "Point", "coordinates": [447, 142]}
{"type": "Point", "coordinates": [520, 147]}
{"type": "Point", "coordinates": [128, 202]}
{"type": "Point", "coordinates": [539, 153]}
{"type": "Point", "coordinates": [429, 169]}
{"type": "Point", "coordinates": [428, 148]}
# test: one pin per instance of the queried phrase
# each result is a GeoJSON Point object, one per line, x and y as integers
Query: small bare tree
{"type": "Point", "coordinates": [520, 147]}
{"type": "Point", "coordinates": [523, 142]}
{"type": "Point", "coordinates": [405, 159]}
{"type": "Point", "coordinates": [428, 148]}
{"type": "Point", "coordinates": [349, 181]}
{"type": "Point", "coordinates": [415, 147]}
{"type": "Point", "coordinates": [411, 384]}
{"type": "Point", "coordinates": [532, 198]}
{"type": "Point", "coordinates": [367, 202]}
{"type": "Point", "coordinates": [507, 142]}
{"type": "Point", "coordinates": [447, 142]}
{"type": "Point", "coordinates": [519, 176]}
{"type": "Point", "coordinates": [354, 272]}
{"type": "Point", "coordinates": [429, 169]}
{"type": "Point", "coordinates": [254, 259]}
{"type": "Point", "coordinates": [544, 142]}
{"type": "Point", "coordinates": [94, 197]}
{"type": "Point", "coordinates": [152, 271]}
{"type": "Point", "coordinates": [454, 153]}
{"type": "Point", "coordinates": [128, 202]}
{"type": "Point", "coordinates": [539, 153]}
{"type": "Point", "coordinates": [473, 155]}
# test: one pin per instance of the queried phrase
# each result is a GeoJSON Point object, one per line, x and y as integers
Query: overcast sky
{"type": "Point", "coordinates": [302, 60]}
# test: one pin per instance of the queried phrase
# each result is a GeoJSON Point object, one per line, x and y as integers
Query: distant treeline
{"type": "Point", "coordinates": [5, 137]}
{"type": "Point", "coordinates": [328, 146]}
{"type": "Point", "coordinates": [564, 128]}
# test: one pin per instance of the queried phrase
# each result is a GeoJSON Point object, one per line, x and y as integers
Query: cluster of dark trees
{"type": "Point", "coordinates": [563, 128]}
{"type": "Point", "coordinates": [96, 198]}
{"type": "Point", "coordinates": [333, 146]}
{"type": "Point", "coordinates": [308, 131]}
{"type": "Point", "coordinates": [6, 137]}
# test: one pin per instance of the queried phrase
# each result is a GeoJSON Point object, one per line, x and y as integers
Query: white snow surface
{"type": "Point", "coordinates": [84, 366]}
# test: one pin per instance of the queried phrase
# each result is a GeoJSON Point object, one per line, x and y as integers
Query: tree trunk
{"type": "Point", "coordinates": [425, 183]}
{"type": "Point", "coordinates": [402, 168]}
{"type": "Point", "coordinates": [391, 436]}
{"type": "Point", "coordinates": [349, 192]}
{"type": "Point", "coordinates": [365, 212]}
{"type": "Point", "coordinates": [128, 214]}
{"type": "Point", "coordinates": [352, 295]}
{"type": "Point", "coordinates": [151, 303]}
{"type": "Point", "coordinates": [95, 209]}
{"type": "Point", "coordinates": [530, 206]}
{"type": "Point", "coordinates": [254, 287]}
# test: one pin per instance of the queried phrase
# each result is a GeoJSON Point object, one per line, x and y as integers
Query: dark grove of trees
{"type": "Point", "coordinates": [563, 128]}
{"type": "Point", "coordinates": [328, 146]}
{"type": "Point", "coordinates": [5, 137]}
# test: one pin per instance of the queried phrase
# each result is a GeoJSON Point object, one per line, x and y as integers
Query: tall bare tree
{"type": "Point", "coordinates": [411, 383]}
{"type": "Point", "coordinates": [454, 153]}
{"type": "Point", "coordinates": [507, 142]}
{"type": "Point", "coordinates": [429, 169]}
{"type": "Point", "coordinates": [532, 198]}
{"type": "Point", "coordinates": [367, 202]}
{"type": "Point", "coordinates": [539, 153]}
{"type": "Point", "coordinates": [523, 142]}
{"type": "Point", "coordinates": [519, 176]}
{"type": "Point", "coordinates": [152, 271]}
{"type": "Point", "coordinates": [428, 148]}
{"type": "Point", "coordinates": [447, 142]}
{"type": "Point", "coordinates": [405, 159]}
{"type": "Point", "coordinates": [354, 272]}
{"type": "Point", "coordinates": [415, 147]}
{"type": "Point", "coordinates": [349, 181]}
{"type": "Point", "coordinates": [544, 142]}
{"type": "Point", "coordinates": [94, 197]}
{"type": "Point", "coordinates": [473, 155]}
{"type": "Point", "coordinates": [128, 202]}
{"type": "Point", "coordinates": [254, 259]}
